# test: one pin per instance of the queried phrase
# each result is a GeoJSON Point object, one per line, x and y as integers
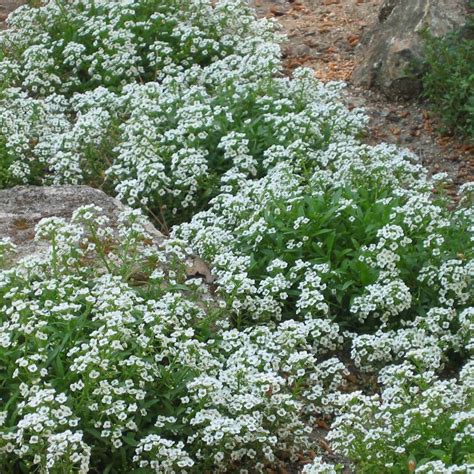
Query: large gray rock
{"type": "Point", "coordinates": [390, 51]}
{"type": "Point", "coordinates": [22, 207]}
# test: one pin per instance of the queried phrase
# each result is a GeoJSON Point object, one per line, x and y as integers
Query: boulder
{"type": "Point", "coordinates": [22, 207]}
{"type": "Point", "coordinates": [391, 53]}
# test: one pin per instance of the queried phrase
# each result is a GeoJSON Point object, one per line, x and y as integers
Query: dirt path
{"type": "Point", "coordinates": [324, 35]}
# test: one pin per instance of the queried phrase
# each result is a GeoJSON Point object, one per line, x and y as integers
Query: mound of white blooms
{"type": "Point", "coordinates": [64, 67]}
{"type": "Point", "coordinates": [418, 419]}
{"type": "Point", "coordinates": [358, 240]}
{"type": "Point", "coordinates": [111, 359]}
{"type": "Point", "coordinates": [164, 135]}
{"type": "Point", "coordinates": [171, 145]}
{"type": "Point", "coordinates": [78, 45]}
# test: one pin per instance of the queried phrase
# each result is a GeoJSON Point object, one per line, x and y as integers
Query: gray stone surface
{"type": "Point", "coordinates": [22, 207]}
{"type": "Point", "coordinates": [389, 52]}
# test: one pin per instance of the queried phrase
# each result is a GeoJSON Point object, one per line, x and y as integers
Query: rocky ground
{"type": "Point", "coordinates": [325, 35]}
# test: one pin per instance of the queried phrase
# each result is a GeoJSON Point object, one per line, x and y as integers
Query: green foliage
{"type": "Point", "coordinates": [449, 80]}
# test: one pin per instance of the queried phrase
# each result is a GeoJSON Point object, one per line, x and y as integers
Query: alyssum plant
{"type": "Point", "coordinates": [166, 141]}
{"type": "Point", "coordinates": [111, 360]}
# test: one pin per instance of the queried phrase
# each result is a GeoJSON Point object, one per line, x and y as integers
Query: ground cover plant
{"type": "Point", "coordinates": [96, 362]}
{"type": "Point", "coordinates": [330, 257]}
{"type": "Point", "coordinates": [449, 78]}
{"type": "Point", "coordinates": [78, 45]}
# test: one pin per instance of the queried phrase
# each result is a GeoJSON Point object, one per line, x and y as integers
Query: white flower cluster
{"type": "Point", "coordinates": [208, 130]}
{"type": "Point", "coordinates": [359, 241]}
{"type": "Point", "coordinates": [286, 244]}
{"type": "Point", "coordinates": [92, 107]}
{"type": "Point", "coordinates": [83, 44]}
{"type": "Point", "coordinates": [106, 348]}
{"type": "Point", "coordinates": [248, 415]}
{"type": "Point", "coordinates": [112, 359]}
{"type": "Point", "coordinates": [171, 145]}
{"type": "Point", "coordinates": [318, 466]}
{"type": "Point", "coordinates": [166, 455]}
{"type": "Point", "coordinates": [418, 418]}
{"type": "Point", "coordinates": [431, 339]}
{"type": "Point", "coordinates": [46, 431]}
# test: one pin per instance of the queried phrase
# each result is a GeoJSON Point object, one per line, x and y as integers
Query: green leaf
{"type": "Point", "coordinates": [58, 367]}
{"type": "Point", "coordinates": [130, 440]}
{"type": "Point", "coordinates": [94, 433]}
